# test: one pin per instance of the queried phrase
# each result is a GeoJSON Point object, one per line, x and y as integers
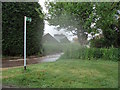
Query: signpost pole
{"type": "Point", "coordinates": [24, 42]}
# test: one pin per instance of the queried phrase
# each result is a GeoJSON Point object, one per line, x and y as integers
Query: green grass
{"type": "Point", "coordinates": [66, 73]}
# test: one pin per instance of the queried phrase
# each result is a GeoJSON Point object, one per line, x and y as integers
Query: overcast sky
{"type": "Point", "coordinates": [51, 29]}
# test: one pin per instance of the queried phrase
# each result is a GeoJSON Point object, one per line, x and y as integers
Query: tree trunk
{"type": "Point", "coordinates": [82, 37]}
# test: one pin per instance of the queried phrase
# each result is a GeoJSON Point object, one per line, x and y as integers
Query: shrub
{"type": "Point", "coordinates": [92, 53]}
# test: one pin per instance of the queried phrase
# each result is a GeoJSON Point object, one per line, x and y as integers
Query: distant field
{"type": "Point", "coordinates": [66, 73]}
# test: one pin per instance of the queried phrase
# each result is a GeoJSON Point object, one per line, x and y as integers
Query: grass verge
{"type": "Point", "coordinates": [66, 73]}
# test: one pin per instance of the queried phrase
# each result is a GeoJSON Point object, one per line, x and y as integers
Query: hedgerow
{"type": "Point", "coordinates": [13, 28]}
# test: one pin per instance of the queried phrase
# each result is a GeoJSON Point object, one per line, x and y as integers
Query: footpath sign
{"type": "Point", "coordinates": [25, 19]}
{"type": "Point", "coordinates": [28, 19]}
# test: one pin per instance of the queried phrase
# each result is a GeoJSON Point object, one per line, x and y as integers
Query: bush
{"type": "Point", "coordinates": [92, 53]}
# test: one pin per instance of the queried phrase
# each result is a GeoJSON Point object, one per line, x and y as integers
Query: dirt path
{"type": "Point", "coordinates": [31, 60]}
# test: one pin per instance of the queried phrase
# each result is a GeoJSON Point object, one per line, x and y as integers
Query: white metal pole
{"type": "Point", "coordinates": [24, 42]}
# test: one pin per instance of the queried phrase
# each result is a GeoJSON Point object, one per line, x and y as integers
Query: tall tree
{"type": "Point", "coordinates": [108, 22]}
{"type": "Point", "coordinates": [87, 17]}
{"type": "Point", "coordinates": [13, 27]}
{"type": "Point", "coordinates": [70, 16]}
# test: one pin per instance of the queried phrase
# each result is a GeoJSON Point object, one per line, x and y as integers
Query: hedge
{"type": "Point", "coordinates": [13, 28]}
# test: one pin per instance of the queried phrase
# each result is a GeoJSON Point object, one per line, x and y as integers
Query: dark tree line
{"type": "Point", "coordinates": [13, 28]}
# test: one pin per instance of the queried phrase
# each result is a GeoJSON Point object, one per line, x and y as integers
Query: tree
{"type": "Point", "coordinates": [87, 17]}
{"type": "Point", "coordinates": [70, 16]}
{"type": "Point", "coordinates": [108, 23]}
{"type": "Point", "coordinates": [13, 28]}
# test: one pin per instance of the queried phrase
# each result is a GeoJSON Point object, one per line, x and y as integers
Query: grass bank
{"type": "Point", "coordinates": [66, 73]}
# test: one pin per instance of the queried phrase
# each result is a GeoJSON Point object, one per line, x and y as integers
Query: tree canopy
{"type": "Point", "coordinates": [90, 17]}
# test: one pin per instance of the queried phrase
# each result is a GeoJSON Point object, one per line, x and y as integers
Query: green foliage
{"type": "Point", "coordinates": [67, 73]}
{"type": "Point", "coordinates": [13, 28]}
{"type": "Point", "coordinates": [106, 13]}
{"type": "Point", "coordinates": [70, 16]}
{"type": "Point", "coordinates": [92, 53]}
{"type": "Point", "coordinates": [78, 17]}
